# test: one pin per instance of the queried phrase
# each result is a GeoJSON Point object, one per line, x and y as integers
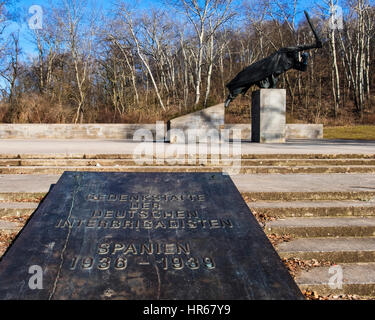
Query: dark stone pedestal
{"type": "Point", "coordinates": [144, 236]}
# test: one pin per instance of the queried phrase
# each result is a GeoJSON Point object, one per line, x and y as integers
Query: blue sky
{"type": "Point", "coordinates": [20, 8]}
{"type": "Point", "coordinates": [19, 16]}
{"type": "Point", "coordinates": [19, 11]}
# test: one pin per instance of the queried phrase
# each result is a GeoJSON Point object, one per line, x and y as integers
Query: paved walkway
{"type": "Point", "coordinates": [244, 182]}
{"type": "Point", "coordinates": [94, 146]}
{"type": "Point", "coordinates": [336, 182]}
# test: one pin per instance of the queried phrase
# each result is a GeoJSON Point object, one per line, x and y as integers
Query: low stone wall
{"type": "Point", "coordinates": [213, 118]}
{"type": "Point", "coordinates": [244, 127]}
{"type": "Point", "coordinates": [72, 131]}
{"type": "Point", "coordinates": [205, 119]}
{"type": "Point", "coordinates": [304, 131]}
{"type": "Point", "coordinates": [293, 131]}
{"type": "Point", "coordinates": [126, 131]}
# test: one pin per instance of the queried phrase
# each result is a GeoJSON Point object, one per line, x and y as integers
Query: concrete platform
{"type": "Point", "coordinates": [304, 182]}
{"type": "Point", "coordinates": [16, 146]}
{"type": "Point", "coordinates": [245, 182]}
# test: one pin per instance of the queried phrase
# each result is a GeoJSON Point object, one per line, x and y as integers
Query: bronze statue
{"type": "Point", "coordinates": [264, 73]}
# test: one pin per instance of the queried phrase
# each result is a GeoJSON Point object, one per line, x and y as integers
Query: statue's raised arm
{"type": "Point", "coordinates": [264, 73]}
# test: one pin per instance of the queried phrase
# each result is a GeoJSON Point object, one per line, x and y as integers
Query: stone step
{"type": "Point", "coordinates": [337, 250]}
{"type": "Point", "coordinates": [271, 209]}
{"type": "Point", "coordinates": [269, 156]}
{"type": "Point", "coordinates": [287, 187]}
{"type": "Point", "coordinates": [323, 227]}
{"type": "Point", "coordinates": [254, 187]}
{"type": "Point", "coordinates": [22, 196]}
{"type": "Point", "coordinates": [17, 208]}
{"type": "Point", "coordinates": [167, 162]}
{"type": "Point", "coordinates": [307, 162]}
{"type": "Point", "coordinates": [357, 279]}
{"type": "Point", "coordinates": [202, 168]}
{"type": "Point", "coordinates": [25, 188]}
{"type": "Point", "coordinates": [18, 196]}
{"type": "Point", "coordinates": [332, 208]}
{"type": "Point", "coordinates": [308, 196]}
{"type": "Point", "coordinates": [7, 226]}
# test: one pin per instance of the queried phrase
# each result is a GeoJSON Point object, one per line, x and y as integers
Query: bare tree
{"type": "Point", "coordinates": [127, 18]}
{"type": "Point", "coordinates": [11, 73]}
{"type": "Point", "coordinates": [48, 42]}
{"type": "Point", "coordinates": [329, 6]}
{"type": "Point", "coordinates": [147, 64]}
{"type": "Point", "coordinates": [79, 39]}
{"type": "Point", "coordinates": [199, 14]}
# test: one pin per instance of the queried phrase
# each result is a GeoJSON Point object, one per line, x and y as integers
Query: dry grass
{"type": "Point", "coordinates": [360, 132]}
{"type": "Point", "coordinates": [35, 108]}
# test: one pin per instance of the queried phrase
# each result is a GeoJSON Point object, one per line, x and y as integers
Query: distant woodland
{"type": "Point", "coordinates": [134, 64]}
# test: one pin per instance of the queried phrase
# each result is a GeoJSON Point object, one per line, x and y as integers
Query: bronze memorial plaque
{"type": "Point", "coordinates": [104, 235]}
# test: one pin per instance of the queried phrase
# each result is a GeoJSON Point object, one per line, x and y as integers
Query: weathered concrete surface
{"type": "Point", "coordinates": [358, 278]}
{"type": "Point", "coordinates": [81, 146]}
{"type": "Point", "coordinates": [19, 188]}
{"type": "Point", "coordinates": [305, 182]}
{"type": "Point", "coordinates": [126, 131]}
{"type": "Point", "coordinates": [16, 209]}
{"type": "Point", "coordinates": [9, 226]}
{"type": "Point", "coordinates": [26, 183]}
{"type": "Point", "coordinates": [338, 250]}
{"type": "Point", "coordinates": [331, 208]}
{"type": "Point", "coordinates": [312, 204]}
{"type": "Point", "coordinates": [304, 131]}
{"type": "Point", "coordinates": [196, 124]}
{"type": "Point", "coordinates": [323, 227]}
{"type": "Point", "coordinates": [268, 116]}
{"type": "Point", "coordinates": [245, 183]}
{"type": "Point", "coordinates": [190, 168]}
{"type": "Point", "coordinates": [18, 205]}
{"type": "Point", "coordinates": [9, 162]}
{"type": "Point", "coordinates": [244, 127]}
{"type": "Point", "coordinates": [72, 131]}
{"type": "Point", "coordinates": [292, 131]}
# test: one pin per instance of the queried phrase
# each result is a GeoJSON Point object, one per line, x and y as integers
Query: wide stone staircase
{"type": "Point", "coordinates": [317, 209]}
{"type": "Point", "coordinates": [326, 233]}
{"type": "Point", "coordinates": [250, 163]}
